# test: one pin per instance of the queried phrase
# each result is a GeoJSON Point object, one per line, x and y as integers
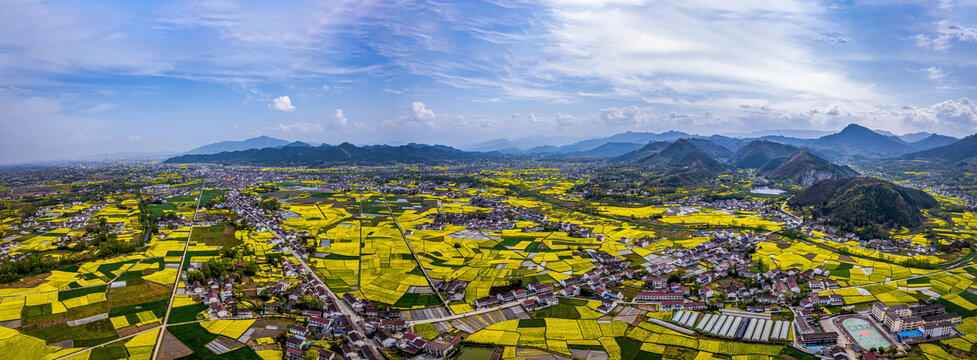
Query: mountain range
{"type": "Point", "coordinates": [962, 150]}
{"type": "Point", "coordinates": [853, 143]}
{"type": "Point", "coordinates": [343, 154]}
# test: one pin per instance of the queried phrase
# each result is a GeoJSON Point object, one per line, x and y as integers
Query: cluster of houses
{"type": "Point", "coordinates": [814, 301]}
{"type": "Point", "coordinates": [502, 216]}
{"type": "Point", "coordinates": [454, 290]}
{"type": "Point", "coordinates": [727, 204]}
{"type": "Point", "coordinates": [48, 217]}
{"type": "Point", "coordinates": [181, 221]}
{"type": "Point", "coordinates": [380, 329]}
{"type": "Point", "coordinates": [77, 220]}
{"type": "Point", "coordinates": [218, 294]}
{"type": "Point", "coordinates": [724, 247]}
{"type": "Point", "coordinates": [534, 296]}
{"type": "Point", "coordinates": [356, 347]}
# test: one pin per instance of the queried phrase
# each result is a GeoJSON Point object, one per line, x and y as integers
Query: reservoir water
{"type": "Point", "coordinates": [766, 191]}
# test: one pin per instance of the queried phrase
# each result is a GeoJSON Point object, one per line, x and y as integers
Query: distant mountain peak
{"type": "Point", "coordinates": [855, 129]}
{"type": "Point", "coordinates": [298, 143]}
{"type": "Point", "coordinates": [759, 152]}
{"type": "Point", "coordinates": [959, 150]}
{"type": "Point", "coordinates": [259, 142]}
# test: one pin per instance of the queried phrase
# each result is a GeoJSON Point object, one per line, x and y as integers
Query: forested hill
{"type": "Point", "coordinates": [866, 206]}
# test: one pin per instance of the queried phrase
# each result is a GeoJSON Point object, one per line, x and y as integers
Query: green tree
{"type": "Point", "coordinates": [270, 204]}
{"type": "Point", "coordinates": [251, 269]}
{"type": "Point", "coordinates": [311, 355]}
{"type": "Point", "coordinates": [196, 275]}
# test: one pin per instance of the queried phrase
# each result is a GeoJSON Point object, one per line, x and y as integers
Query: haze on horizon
{"type": "Point", "coordinates": [79, 78]}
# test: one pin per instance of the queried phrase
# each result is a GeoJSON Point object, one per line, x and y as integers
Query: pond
{"type": "Point", "coordinates": [766, 191]}
{"type": "Point", "coordinates": [475, 353]}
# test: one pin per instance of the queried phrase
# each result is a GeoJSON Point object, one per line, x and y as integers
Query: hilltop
{"type": "Point", "coordinates": [711, 148]}
{"type": "Point", "coordinates": [866, 206]}
{"type": "Point", "coordinates": [933, 141]}
{"type": "Point", "coordinates": [759, 152]}
{"type": "Point", "coordinates": [682, 162]}
{"type": "Point", "coordinates": [857, 141]}
{"type": "Point", "coordinates": [803, 168]}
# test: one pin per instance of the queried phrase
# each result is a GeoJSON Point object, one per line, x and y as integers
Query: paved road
{"type": "Point", "coordinates": [419, 263]}
{"type": "Point", "coordinates": [783, 207]}
{"type": "Point", "coordinates": [176, 284]}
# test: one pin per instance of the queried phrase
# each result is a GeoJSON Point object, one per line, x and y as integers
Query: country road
{"type": "Point", "coordinates": [411, 248]}
{"type": "Point", "coordinates": [176, 284]}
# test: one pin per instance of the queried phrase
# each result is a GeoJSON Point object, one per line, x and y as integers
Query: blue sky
{"type": "Point", "coordinates": [81, 78]}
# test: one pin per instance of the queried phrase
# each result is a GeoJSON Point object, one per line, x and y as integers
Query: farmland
{"type": "Point", "coordinates": [236, 262]}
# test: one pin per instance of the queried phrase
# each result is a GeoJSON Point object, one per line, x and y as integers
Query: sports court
{"type": "Point", "coordinates": [864, 334]}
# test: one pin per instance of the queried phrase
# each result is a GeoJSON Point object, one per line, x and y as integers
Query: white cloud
{"type": "Point", "coordinates": [339, 120]}
{"type": "Point", "coordinates": [630, 115]}
{"type": "Point", "coordinates": [282, 103]}
{"type": "Point", "coordinates": [420, 116]}
{"type": "Point", "coordinates": [954, 117]}
{"type": "Point", "coordinates": [420, 113]}
{"type": "Point", "coordinates": [947, 34]}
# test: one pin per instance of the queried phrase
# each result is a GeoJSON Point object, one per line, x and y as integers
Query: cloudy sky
{"type": "Point", "coordinates": [83, 77]}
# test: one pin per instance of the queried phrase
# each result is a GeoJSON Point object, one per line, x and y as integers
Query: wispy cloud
{"type": "Point", "coordinates": [301, 127]}
{"type": "Point", "coordinates": [934, 73]}
{"type": "Point", "coordinates": [580, 67]}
